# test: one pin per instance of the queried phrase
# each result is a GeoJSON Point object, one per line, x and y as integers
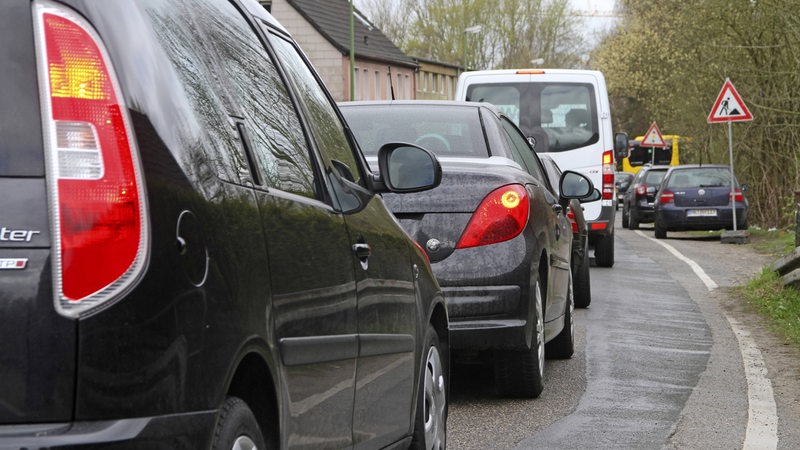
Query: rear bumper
{"type": "Point", "coordinates": [487, 318]}
{"type": "Point", "coordinates": [676, 220]}
{"type": "Point", "coordinates": [603, 225]}
{"type": "Point", "coordinates": [177, 431]}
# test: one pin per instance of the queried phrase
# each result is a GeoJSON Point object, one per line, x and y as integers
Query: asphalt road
{"type": "Point", "coordinates": [666, 357]}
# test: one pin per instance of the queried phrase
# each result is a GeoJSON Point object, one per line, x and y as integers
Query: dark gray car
{"type": "Point", "coordinates": [495, 230]}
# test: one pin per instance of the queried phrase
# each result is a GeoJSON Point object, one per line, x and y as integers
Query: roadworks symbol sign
{"type": "Point", "coordinates": [729, 106]}
{"type": "Point", "coordinates": [653, 137]}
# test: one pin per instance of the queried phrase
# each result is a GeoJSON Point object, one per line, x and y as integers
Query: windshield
{"type": "Point", "coordinates": [703, 177]}
{"type": "Point", "coordinates": [559, 116]}
{"type": "Point", "coordinates": [640, 156]}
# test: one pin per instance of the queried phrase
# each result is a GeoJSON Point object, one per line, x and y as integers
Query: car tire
{"type": "Point", "coordinates": [237, 427]}
{"type": "Point", "coordinates": [563, 345]}
{"type": "Point", "coordinates": [582, 288]}
{"type": "Point", "coordinates": [659, 230]}
{"type": "Point", "coordinates": [633, 221]}
{"type": "Point", "coordinates": [624, 217]}
{"type": "Point", "coordinates": [604, 251]}
{"type": "Point", "coordinates": [430, 424]}
{"type": "Point", "coordinates": [521, 373]}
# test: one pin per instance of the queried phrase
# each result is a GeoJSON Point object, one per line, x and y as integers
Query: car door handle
{"type": "Point", "coordinates": [362, 251]}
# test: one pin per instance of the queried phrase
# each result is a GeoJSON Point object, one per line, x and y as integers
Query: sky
{"type": "Point", "coordinates": [596, 15]}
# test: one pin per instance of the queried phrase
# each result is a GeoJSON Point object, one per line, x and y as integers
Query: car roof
{"type": "Point", "coordinates": [423, 103]}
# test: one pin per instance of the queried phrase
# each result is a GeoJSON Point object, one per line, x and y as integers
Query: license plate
{"type": "Point", "coordinates": [701, 213]}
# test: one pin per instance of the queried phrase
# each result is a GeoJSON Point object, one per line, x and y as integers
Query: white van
{"type": "Point", "coordinates": [566, 114]}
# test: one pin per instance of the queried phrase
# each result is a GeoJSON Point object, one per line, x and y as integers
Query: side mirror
{"type": "Point", "coordinates": [593, 197]}
{"type": "Point", "coordinates": [575, 185]}
{"type": "Point", "coordinates": [621, 145]}
{"type": "Point", "coordinates": [408, 168]}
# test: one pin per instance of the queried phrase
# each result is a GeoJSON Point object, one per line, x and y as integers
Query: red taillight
{"type": "Point", "coordinates": [95, 186]}
{"type": "Point", "coordinates": [572, 221]}
{"type": "Point", "coordinates": [737, 195]}
{"type": "Point", "coordinates": [641, 189]}
{"type": "Point", "coordinates": [501, 216]}
{"type": "Point", "coordinates": [666, 197]}
{"type": "Point", "coordinates": [608, 175]}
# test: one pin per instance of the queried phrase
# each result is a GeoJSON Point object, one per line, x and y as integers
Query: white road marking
{"type": "Point", "coordinates": [710, 284]}
{"type": "Point", "coordinates": [762, 415]}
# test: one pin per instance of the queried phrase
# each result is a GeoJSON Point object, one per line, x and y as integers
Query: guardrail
{"type": "Point", "coordinates": [789, 268]}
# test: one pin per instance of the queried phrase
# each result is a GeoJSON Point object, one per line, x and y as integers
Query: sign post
{"type": "Point", "coordinates": [729, 107]}
{"type": "Point", "coordinates": [653, 138]}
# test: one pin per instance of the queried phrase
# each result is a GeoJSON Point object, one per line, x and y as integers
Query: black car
{"type": "Point", "coordinates": [699, 197]}
{"type": "Point", "coordinates": [193, 252]}
{"type": "Point", "coordinates": [622, 180]}
{"type": "Point", "coordinates": [637, 203]}
{"type": "Point", "coordinates": [495, 231]}
{"type": "Point", "coordinates": [581, 283]}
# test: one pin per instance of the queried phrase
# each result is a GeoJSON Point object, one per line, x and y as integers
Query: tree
{"type": "Point", "coordinates": [668, 61]}
{"type": "Point", "coordinates": [512, 32]}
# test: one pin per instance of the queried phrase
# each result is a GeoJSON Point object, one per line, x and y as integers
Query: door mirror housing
{"type": "Point", "coordinates": [621, 145]}
{"type": "Point", "coordinates": [408, 168]}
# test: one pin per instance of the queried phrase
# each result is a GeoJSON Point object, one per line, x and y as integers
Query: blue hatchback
{"type": "Point", "coordinates": [698, 197]}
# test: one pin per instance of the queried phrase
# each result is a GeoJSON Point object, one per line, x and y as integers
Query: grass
{"type": "Point", "coordinates": [766, 293]}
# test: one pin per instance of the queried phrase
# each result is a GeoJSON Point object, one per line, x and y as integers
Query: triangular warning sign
{"type": "Point", "coordinates": [729, 106]}
{"type": "Point", "coordinates": [653, 137]}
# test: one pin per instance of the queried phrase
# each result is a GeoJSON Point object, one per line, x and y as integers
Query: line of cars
{"type": "Point", "coordinates": [685, 197]}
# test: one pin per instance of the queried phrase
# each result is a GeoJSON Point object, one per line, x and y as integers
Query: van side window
{"type": "Point", "coordinates": [276, 137]}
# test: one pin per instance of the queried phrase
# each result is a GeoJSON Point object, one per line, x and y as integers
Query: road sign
{"type": "Point", "coordinates": [729, 106]}
{"type": "Point", "coordinates": [653, 137]}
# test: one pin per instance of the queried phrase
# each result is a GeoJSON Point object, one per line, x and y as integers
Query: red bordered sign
{"type": "Point", "coordinates": [729, 106]}
{"type": "Point", "coordinates": [653, 137]}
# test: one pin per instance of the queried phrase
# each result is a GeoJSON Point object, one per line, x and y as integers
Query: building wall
{"type": "Point", "coordinates": [372, 81]}
{"type": "Point", "coordinates": [436, 81]}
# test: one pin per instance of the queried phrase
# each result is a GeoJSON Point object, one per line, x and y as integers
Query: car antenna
{"type": "Point", "coordinates": [391, 85]}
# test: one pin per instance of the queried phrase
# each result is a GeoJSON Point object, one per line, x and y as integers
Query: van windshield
{"type": "Point", "coordinates": [556, 116]}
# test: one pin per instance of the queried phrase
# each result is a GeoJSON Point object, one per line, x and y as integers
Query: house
{"type": "Point", "coordinates": [322, 28]}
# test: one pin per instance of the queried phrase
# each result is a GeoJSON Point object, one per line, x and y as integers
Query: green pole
{"type": "Point", "coordinates": [352, 55]}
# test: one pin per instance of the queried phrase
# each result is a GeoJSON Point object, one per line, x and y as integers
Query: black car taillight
{"type": "Point", "coordinates": [95, 186]}
{"type": "Point", "coordinates": [665, 197]}
{"type": "Point", "coordinates": [501, 216]}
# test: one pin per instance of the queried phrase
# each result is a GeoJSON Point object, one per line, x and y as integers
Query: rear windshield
{"type": "Point", "coordinates": [640, 156]}
{"type": "Point", "coordinates": [700, 177]}
{"type": "Point", "coordinates": [443, 130]}
{"type": "Point", "coordinates": [654, 177]}
{"type": "Point", "coordinates": [560, 116]}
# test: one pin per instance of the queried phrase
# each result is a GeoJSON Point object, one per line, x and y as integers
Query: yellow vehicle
{"type": "Point", "coordinates": [664, 156]}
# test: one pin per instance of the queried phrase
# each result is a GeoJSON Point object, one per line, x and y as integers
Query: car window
{"type": "Point", "coordinates": [327, 129]}
{"type": "Point", "coordinates": [522, 150]}
{"type": "Point", "coordinates": [201, 126]}
{"type": "Point", "coordinates": [276, 137]}
{"type": "Point", "coordinates": [654, 177]}
{"type": "Point", "coordinates": [566, 113]}
{"type": "Point", "coordinates": [446, 131]}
